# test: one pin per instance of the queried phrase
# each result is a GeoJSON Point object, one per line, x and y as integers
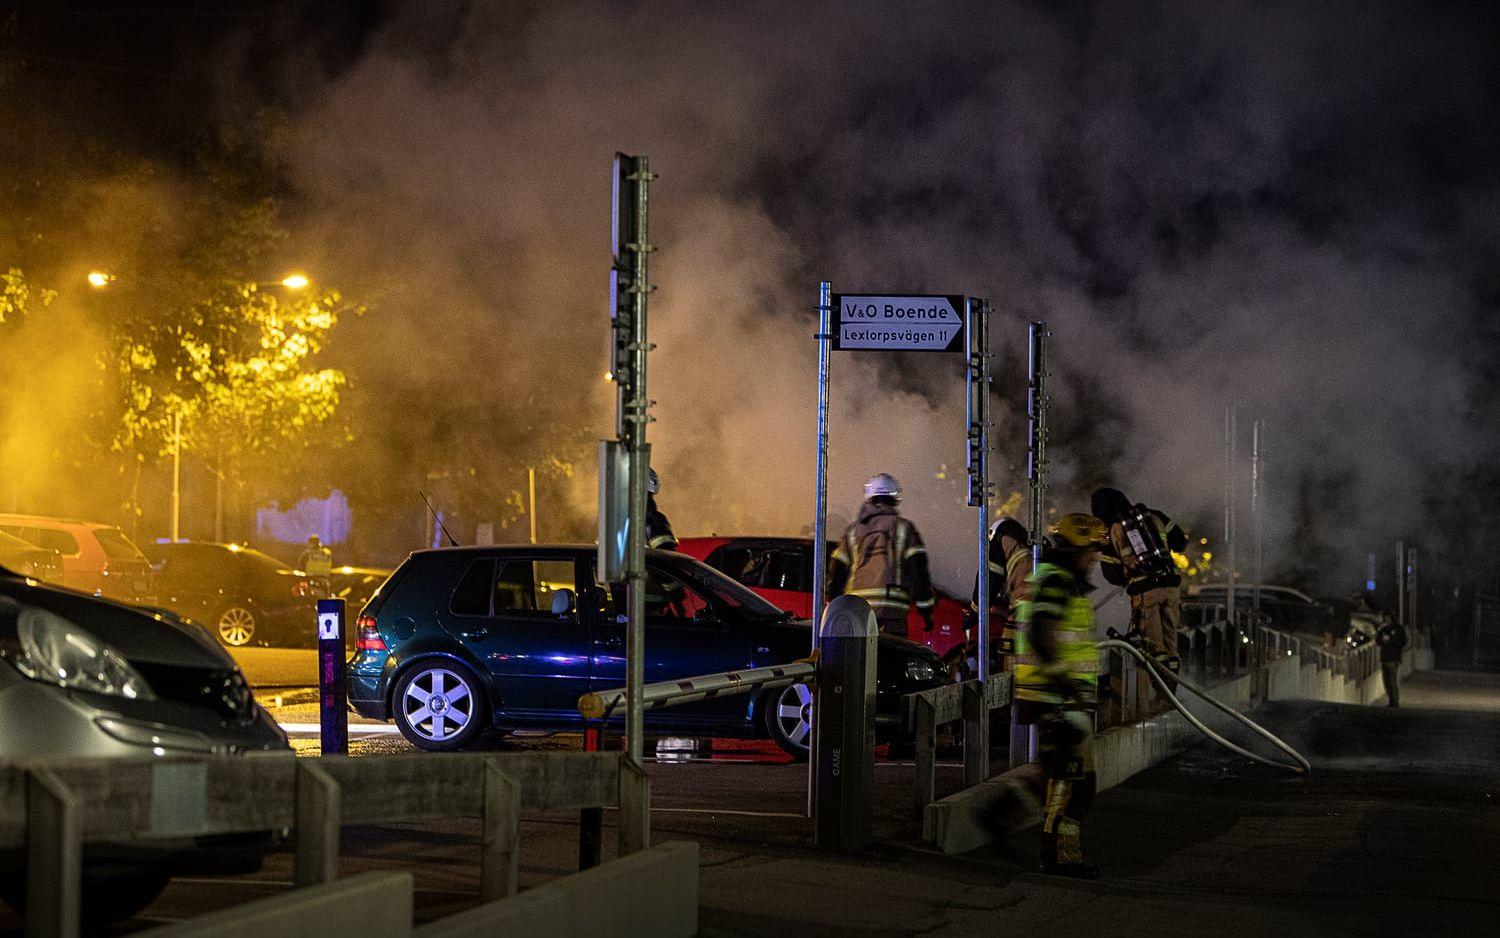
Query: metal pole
{"type": "Point", "coordinates": [1257, 429]}
{"type": "Point", "coordinates": [1229, 495]}
{"type": "Point", "coordinates": [820, 508]}
{"type": "Point", "coordinates": [639, 455]}
{"type": "Point", "coordinates": [977, 728]}
{"type": "Point", "coordinates": [1400, 614]}
{"type": "Point", "coordinates": [531, 494]}
{"type": "Point", "coordinates": [176, 474]}
{"type": "Point", "coordinates": [1411, 588]}
{"type": "Point", "coordinates": [1036, 413]}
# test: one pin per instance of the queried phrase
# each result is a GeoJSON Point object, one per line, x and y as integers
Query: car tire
{"type": "Point", "coordinates": [461, 711]}
{"type": "Point", "coordinates": [236, 626]}
{"type": "Point", "coordinates": [787, 713]}
{"type": "Point", "coordinates": [104, 900]}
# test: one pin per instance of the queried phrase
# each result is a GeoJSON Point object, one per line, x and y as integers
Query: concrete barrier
{"type": "Point", "coordinates": [359, 906]}
{"type": "Point", "coordinates": [653, 892]}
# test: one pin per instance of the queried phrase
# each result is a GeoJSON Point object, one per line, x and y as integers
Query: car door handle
{"type": "Point", "coordinates": [475, 635]}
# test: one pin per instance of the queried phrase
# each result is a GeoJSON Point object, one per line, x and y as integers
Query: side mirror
{"type": "Point", "coordinates": [564, 602]}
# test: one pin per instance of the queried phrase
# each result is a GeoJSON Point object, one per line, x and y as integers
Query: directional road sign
{"type": "Point", "coordinates": [933, 323]}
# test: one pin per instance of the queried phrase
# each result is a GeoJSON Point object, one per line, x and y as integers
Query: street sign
{"type": "Point", "coordinates": [876, 322]}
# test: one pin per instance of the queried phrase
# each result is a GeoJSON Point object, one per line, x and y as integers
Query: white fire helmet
{"type": "Point", "coordinates": [653, 481]}
{"type": "Point", "coordinates": [883, 484]}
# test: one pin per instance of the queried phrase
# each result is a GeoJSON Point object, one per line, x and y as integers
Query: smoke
{"type": "Point", "coordinates": [1254, 205]}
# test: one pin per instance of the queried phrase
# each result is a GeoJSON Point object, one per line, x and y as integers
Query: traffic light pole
{"type": "Point", "coordinates": [631, 291]}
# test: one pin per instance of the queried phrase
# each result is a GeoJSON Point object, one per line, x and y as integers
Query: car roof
{"type": "Point", "coordinates": [49, 519]}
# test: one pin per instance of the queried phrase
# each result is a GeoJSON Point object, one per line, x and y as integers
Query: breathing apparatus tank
{"type": "Point", "coordinates": [1146, 541]}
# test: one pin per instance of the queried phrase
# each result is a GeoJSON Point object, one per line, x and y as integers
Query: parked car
{"type": "Point", "coordinates": [465, 638]}
{"type": "Point", "coordinates": [355, 585]}
{"type": "Point", "coordinates": [780, 569]}
{"type": "Point", "coordinates": [244, 596]}
{"type": "Point", "coordinates": [27, 559]}
{"type": "Point", "coordinates": [1285, 608]}
{"type": "Point", "coordinates": [82, 676]}
{"type": "Point", "coordinates": [96, 558]}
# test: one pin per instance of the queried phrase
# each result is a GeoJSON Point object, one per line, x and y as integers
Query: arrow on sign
{"type": "Point", "coordinates": [898, 323]}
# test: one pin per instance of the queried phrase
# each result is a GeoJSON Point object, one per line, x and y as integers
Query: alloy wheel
{"type": "Point", "coordinates": [794, 715]}
{"type": "Point", "coordinates": [438, 704]}
{"type": "Point", "coordinates": [237, 626]}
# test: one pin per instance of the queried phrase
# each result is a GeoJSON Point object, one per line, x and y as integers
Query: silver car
{"type": "Point", "coordinates": [82, 676]}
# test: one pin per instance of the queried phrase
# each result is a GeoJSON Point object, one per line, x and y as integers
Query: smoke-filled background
{"type": "Point", "coordinates": [1286, 208]}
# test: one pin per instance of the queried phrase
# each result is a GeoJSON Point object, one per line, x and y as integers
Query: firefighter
{"type": "Point", "coordinates": [1139, 558]}
{"type": "Point", "coordinates": [1056, 684]}
{"type": "Point", "coordinates": [1010, 565]}
{"type": "Point", "coordinates": [658, 529]}
{"type": "Point", "coordinates": [882, 560]}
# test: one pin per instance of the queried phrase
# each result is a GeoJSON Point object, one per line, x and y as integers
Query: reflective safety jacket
{"type": "Point", "coordinates": [659, 534]}
{"type": "Point", "coordinates": [1057, 659]}
{"type": "Point", "coordinates": [882, 560]}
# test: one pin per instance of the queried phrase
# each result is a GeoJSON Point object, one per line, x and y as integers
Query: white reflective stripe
{"type": "Point", "coordinates": [996, 568]}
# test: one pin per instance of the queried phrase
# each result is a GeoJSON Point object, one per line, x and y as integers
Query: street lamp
{"type": "Point", "coordinates": [99, 279]}
{"type": "Point", "coordinates": [295, 281]}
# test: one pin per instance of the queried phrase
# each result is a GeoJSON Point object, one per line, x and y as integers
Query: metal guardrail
{"type": "Point", "coordinates": [53, 807]}
{"type": "Point", "coordinates": [927, 710]}
{"type": "Point", "coordinates": [600, 704]}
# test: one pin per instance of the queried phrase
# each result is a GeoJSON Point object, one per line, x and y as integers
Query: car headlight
{"type": "Point", "coordinates": [56, 651]}
{"type": "Point", "coordinates": [920, 669]}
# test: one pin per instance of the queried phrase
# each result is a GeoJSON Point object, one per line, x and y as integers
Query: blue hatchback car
{"type": "Point", "coordinates": [467, 638]}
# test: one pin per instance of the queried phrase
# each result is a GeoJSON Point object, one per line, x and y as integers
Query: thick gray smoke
{"type": "Point", "coordinates": [1212, 204]}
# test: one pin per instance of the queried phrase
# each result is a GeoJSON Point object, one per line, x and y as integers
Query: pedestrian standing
{"type": "Point", "coordinates": [1391, 638]}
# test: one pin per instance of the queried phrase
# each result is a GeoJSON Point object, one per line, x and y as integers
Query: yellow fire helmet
{"type": "Point", "coordinates": [1078, 531]}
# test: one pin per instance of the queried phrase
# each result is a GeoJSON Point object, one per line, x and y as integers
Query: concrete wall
{"type": "Point", "coordinates": [653, 892]}
{"type": "Point", "coordinates": [1293, 681]}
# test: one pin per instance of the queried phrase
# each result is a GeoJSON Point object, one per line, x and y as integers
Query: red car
{"type": "Point", "coordinates": [780, 569]}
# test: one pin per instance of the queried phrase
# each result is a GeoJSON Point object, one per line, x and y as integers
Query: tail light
{"type": "Point", "coordinates": [369, 636]}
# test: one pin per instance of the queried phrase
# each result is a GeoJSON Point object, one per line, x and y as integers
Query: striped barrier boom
{"type": "Point", "coordinates": [602, 703]}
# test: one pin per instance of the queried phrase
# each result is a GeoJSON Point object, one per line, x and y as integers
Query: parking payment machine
{"type": "Point", "coordinates": [844, 731]}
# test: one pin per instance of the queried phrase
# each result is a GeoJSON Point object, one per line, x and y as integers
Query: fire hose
{"type": "Point", "coordinates": [1164, 682]}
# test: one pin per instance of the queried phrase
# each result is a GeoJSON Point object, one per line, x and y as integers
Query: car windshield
{"type": "Point", "coordinates": [117, 546]}
{"type": "Point", "coordinates": [721, 589]}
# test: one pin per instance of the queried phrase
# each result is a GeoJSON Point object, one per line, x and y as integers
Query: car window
{"type": "Point", "coordinates": [780, 568]}
{"type": "Point", "coordinates": [732, 559]}
{"type": "Point", "coordinates": [669, 598]}
{"type": "Point", "coordinates": [61, 541]}
{"type": "Point", "coordinates": [527, 586]}
{"type": "Point", "coordinates": [116, 545]}
{"type": "Point", "coordinates": [472, 595]}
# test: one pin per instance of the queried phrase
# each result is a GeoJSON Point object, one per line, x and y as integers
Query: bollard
{"type": "Point", "coordinates": [844, 736]}
{"type": "Point", "coordinates": [333, 696]}
{"type": "Point", "coordinates": [591, 820]}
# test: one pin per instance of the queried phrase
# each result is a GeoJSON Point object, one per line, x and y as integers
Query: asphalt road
{"type": "Point", "coordinates": [1395, 833]}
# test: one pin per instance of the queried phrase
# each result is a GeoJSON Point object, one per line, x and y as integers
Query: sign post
{"type": "Point", "coordinates": [333, 696]}
{"type": "Point", "coordinates": [886, 322]}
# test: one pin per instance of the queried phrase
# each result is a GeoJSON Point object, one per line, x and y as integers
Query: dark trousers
{"type": "Point", "coordinates": [1390, 675]}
